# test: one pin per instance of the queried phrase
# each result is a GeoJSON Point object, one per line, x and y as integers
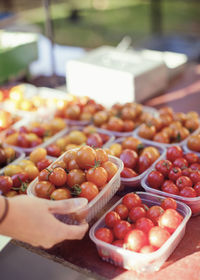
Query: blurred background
{"type": "Point", "coordinates": [91, 23]}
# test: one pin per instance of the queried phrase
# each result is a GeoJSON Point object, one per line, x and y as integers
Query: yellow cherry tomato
{"type": "Point", "coordinates": [12, 169]}
{"type": "Point", "coordinates": [116, 149]}
{"type": "Point", "coordinates": [38, 154]}
{"type": "Point", "coordinates": [77, 137]}
{"type": "Point", "coordinates": [32, 171]}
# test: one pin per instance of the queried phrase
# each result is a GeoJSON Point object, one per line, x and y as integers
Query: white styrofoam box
{"type": "Point", "coordinates": [109, 75]}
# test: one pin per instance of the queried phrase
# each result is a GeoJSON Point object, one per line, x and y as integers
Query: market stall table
{"type": "Point", "coordinates": [183, 95]}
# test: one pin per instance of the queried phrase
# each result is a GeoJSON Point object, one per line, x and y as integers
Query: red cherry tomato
{"type": "Point", "coordinates": [168, 203]}
{"type": "Point", "coordinates": [121, 228]}
{"type": "Point", "coordinates": [44, 175]}
{"type": "Point", "coordinates": [183, 182]}
{"type": "Point", "coordinates": [19, 178]}
{"type": "Point", "coordinates": [191, 158]}
{"type": "Point", "coordinates": [135, 240]}
{"type": "Point", "coordinates": [88, 190]}
{"type": "Point", "coordinates": [75, 177]}
{"type": "Point", "coordinates": [144, 224]}
{"type": "Point", "coordinates": [170, 187]}
{"type": "Point", "coordinates": [118, 243]}
{"type": "Point", "coordinates": [144, 163]}
{"type": "Point", "coordinates": [94, 140]}
{"type": "Point", "coordinates": [129, 158]}
{"type": "Point", "coordinates": [97, 175]}
{"type": "Point", "coordinates": [174, 152]}
{"type": "Point", "coordinates": [44, 189]}
{"type": "Point", "coordinates": [154, 213]}
{"type": "Point", "coordinates": [155, 179]}
{"type": "Point", "coordinates": [131, 200]}
{"type": "Point", "coordinates": [170, 220]}
{"type": "Point", "coordinates": [44, 163]}
{"type": "Point", "coordinates": [188, 192]}
{"type": "Point", "coordinates": [164, 167]}
{"type": "Point", "coordinates": [174, 173]}
{"type": "Point", "coordinates": [195, 176]}
{"type": "Point", "coordinates": [158, 236]}
{"type": "Point", "coordinates": [104, 234]}
{"type": "Point", "coordinates": [181, 163]}
{"type": "Point", "coordinates": [128, 173]}
{"type": "Point", "coordinates": [112, 218]}
{"type": "Point", "coordinates": [195, 166]}
{"type": "Point", "coordinates": [53, 150]}
{"type": "Point", "coordinates": [122, 210]}
{"type": "Point", "coordinates": [197, 188]}
{"type": "Point", "coordinates": [186, 172]}
{"type": "Point", "coordinates": [58, 177]}
{"type": "Point", "coordinates": [137, 213]}
{"type": "Point", "coordinates": [39, 131]}
{"type": "Point", "coordinates": [6, 184]}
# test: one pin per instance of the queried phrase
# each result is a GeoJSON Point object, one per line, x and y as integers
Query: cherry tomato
{"type": "Point", "coordinates": [19, 178]}
{"type": "Point", "coordinates": [169, 187]}
{"type": "Point", "coordinates": [147, 131]}
{"type": "Point", "coordinates": [183, 182]}
{"type": "Point", "coordinates": [174, 173]}
{"type": "Point", "coordinates": [44, 163]}
{"type": "Point", "coordinates": [187, 172]}
{"type": "Point", "coordinates": [188, 192]}
{"type": "Point", "coordinates": [158, 236]}
{"type": "Point", "coordinates": [195, 166]}
{"type": "Point", "coordinates": [131, 200]}
{"type": "Point", "coordinates": [58, 176]}
{"type": "Point", "coordinates": [112, 218]}
{"type": "Point", "coordinates": [128, 173]}
{"type": "Point", "coordinates": [118, 243]}
{"type": "Point", "coordinates": [144, 224]}
{"type": "Point", "coordinates": [59, 163]}
{"type": "Point", "coordinates": [94, 140]}
{"type": "Point", "coordinates": [111, 169]}
{"type": "Point", "coordinates": [88, 190]}
{"type": "Point", "coordinates": [60, 194]}
{"type": "Point", "coordinates": [39, 131]}
{"type": "Point", "coordinates": [137, 213]}
{"type": "Point", "coordinates": [148, 249]}
{"type": "Point", "coordinates": [195, 176]}
{"type": "Point", "coordinates": [170, 220]}
{"type": "Point", "coordinates": [32, 171]}
{"type": "Point", "coordinates": [38, 154]}
{"type": "Point", "coordinates": [135, 240]}
{"type": "Point", "coordinates": [132, 144]}
{"type": "Point", "coordinates": [44, 175]}
{"type": "Point", "coordinates": [128, 125]}
{"type": "Point", "coordinates": [181, 163]}
{"type": "Point", "coordinates": [44, 189]}
{"type": "Point", "coordinates": [155, 179]}
{"type": "Point", "coordinates": [104, 234]}
{"type": "Point", "coordinates": [121, 228]}
{"type": "Point", "coordinates": [194, 143]}
{"type": "Point", "coordinates": [164, 166]}
{"type": "Point", "coordinates": [122, 210]}
{"type": "Point", "coordinates": [129, 158]}
{"type": "Point", "coordinates": [75, 177]}
{"type": "Point", "coordinates": [6, 184]}
{"type": "Point", "coordinates": [174, 152]}
{"type": "Point", "coordinates": [53, 150]}
{"type": "Point", "coordinates": [154, 213]}
{"type": "Point", "coordinates": [197, 188]}
{"type": "Point", "coordinates": [152, 152]}
{"type": "Point", "coordinates": [70, 155]}
{"type": "Point", "coordinates": [101, 156]}
{"type": "Point", "coordinates": [115, 124]}
{"type": "Point", "coordinates": [97, 175]}
{"type": "Point", "coordinates": [168, 203]}
{"type": "Point", "coordinates": [22, 141]}
{"type": "Point", "coordinates": [3, 158]}
{"type": "Point", "coordinates": [144, 163]}
{"type": "Point", "coordinates": [191, 158]}
{"type": "Point", "coordinates": [86, 157]}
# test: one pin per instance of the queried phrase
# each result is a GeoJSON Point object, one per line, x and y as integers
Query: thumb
{"type": "Point", "coordinates": [68, 206]}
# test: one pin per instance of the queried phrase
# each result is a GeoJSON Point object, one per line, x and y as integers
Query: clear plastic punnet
{"type": "Point", "coordinates": [135, 181]}
{"type": "Point", "coordinates": [192, 202]}
{"type": "Point", "coordinates": [142, 263]}
{"type": "Point", "coordinates": [96, 204]}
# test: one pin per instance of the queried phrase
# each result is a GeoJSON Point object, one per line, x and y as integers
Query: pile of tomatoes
{"type": "Point", "coordinates": [82, 172]}
{"type": "Point", "coordinates": [34, 133]}
{"type": "Point", "coordinates": [16, 177]}
{"type": "Point", "coordinates": [75, 138]}
{"type": "Point", "coordinates": [121, 118]}
{"type": "Point", "coordinates": [178, 174]}
{"type": "Point", "coordinates": [137, 227]}
{"type": "Point", "coordinates": [136, 157]}
{"type": "Point", "coordinates": [169, 127]}
{"type": "Point", "coordinates": [79, 109]}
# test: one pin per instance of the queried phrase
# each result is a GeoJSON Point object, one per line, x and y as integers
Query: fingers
{"type": "Point", "coordinates": [71, 232]}
{"type": "Point", "coordinates": [67, 206]}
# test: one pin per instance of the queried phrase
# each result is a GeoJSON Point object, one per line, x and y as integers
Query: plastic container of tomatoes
{"type": "Point", "coordinates": [150, 142]}
{"type": "Point", "coordinates": [26, 122]}
{"type": "Point", "coordinates": [192, 202]}
{"type": "Point", "coordinates": [135, 181]}
{"type": "Point", "coordinates": [95, 205]}
{"type": "Point", "coordinates": [19, 155]}
{"type": "Point", "coordinates": [118, 134]}
{"type": "Point", "coordinates": [142, 263]}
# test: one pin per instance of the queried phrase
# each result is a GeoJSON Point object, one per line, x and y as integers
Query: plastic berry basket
{"type": "Point", "coordinates": [181, 143]}
{"type": "Point", "coordinates": [141, 263]}
{"type": "Point", "coordinates": [192, 202]}
{"type": "Point", "coordinates": [135, 181]}
{"type": "Point", "coordinates": [95, 205]}
{"type": "Point", "coordinates": [26, 122]}
{"type": "Point", "coordinates": [19, 155]}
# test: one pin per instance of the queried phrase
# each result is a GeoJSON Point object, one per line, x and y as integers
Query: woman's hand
{"type": "Point", "coordinates": [31, 220]}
